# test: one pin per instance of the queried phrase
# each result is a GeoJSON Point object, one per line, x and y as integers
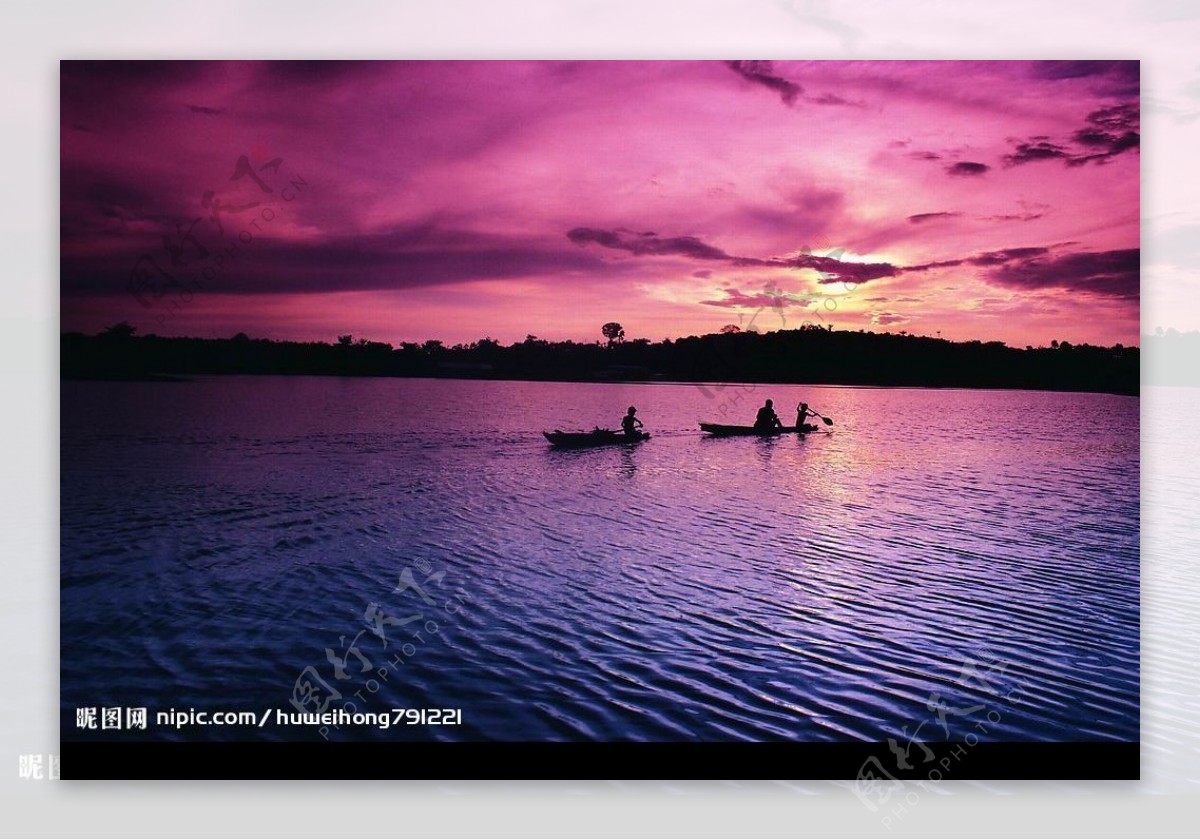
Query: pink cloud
{"type": "Point", "coordinates": [445, 198]}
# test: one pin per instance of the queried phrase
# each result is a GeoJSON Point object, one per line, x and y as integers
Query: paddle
{"type": "Point", "coordinates": [826, 420]}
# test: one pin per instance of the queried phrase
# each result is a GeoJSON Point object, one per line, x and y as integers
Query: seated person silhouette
{"type": "Point", "coordinates": [767, 420]}
{"type": "Point", "coordinates": [629, 423]}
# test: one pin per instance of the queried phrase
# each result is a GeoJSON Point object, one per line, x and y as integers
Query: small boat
{"type": "Point", "coordinates": [599, 437]}
{"type": "Point", "coordinates": [719, 430]}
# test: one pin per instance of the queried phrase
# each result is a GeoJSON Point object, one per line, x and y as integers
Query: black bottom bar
{"type": "Point", "coordinates": [870, 762]}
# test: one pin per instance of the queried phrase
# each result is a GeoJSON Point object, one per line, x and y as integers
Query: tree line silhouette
{"type": "Point", "coordinates": [811, 355]}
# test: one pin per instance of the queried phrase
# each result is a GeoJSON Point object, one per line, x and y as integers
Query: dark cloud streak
{"type": "Point", "coordinates": [833, 99]}
{"type": "Point", "coordinates": [920, 218]}
{"type": "Point", "coordinates": [1109, 274]}
{"type": "Point", "coordinates": [1035, 151]}
{"type": "Point", "coordinates": [1110, 132]}
{"type": "Point", "coordinates": [967, 168]}
{"type": "Point", "coordinates": [1111, 78]}
{"type": "Point", "coordinates": [762, 73]}
{"type": "Point", "coordinates": [405, 258]}
{"type": "Point", "coordinates": [1006, 255]}
{"type": "Point", "coordinates": [736, 299]}
{"type": "Point", "coordinates": [647, 244]}
{"type": "Point", "coordinates": [837, 271]}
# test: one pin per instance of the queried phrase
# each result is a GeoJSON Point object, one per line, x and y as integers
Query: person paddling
{"type": "Point", "coordinates": [767, 420]}
{"type": "Point", "coordinates": [630, 424]}
{"type": "Point", "coordinates": [803, 413]}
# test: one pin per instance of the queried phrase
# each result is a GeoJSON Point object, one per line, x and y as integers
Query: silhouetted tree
{"type": "Point", "coordinates": [121, 330]}
{"type": "Point", "coordinates": [730, 329]}
{"type": "Point", "coordinates": [614, 332]}
{"type": "Point", "coordinates": [345, 340]}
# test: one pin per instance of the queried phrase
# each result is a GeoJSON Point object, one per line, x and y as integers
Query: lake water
{"type": "Point", "coordinates": [936, 559]}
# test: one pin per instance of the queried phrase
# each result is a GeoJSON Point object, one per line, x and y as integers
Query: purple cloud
{"type": "Point", "coordinates": [1123, 117]}
{"type": "Point", "coordinates": [647, 244]}
{"type": "Point", "coordinates": [929, 217]}
{"type": "Point", "coordinates": [1108, 273]}
{"type": "Point", "coordinates": [832, 99]}
{"type": "Point", "coordinates": [1111, 78]}
{"type": "Point", "coordinates": [403, 258]}
{"type": "Point", "coordinates": [1027, 216]}
{"type": "Point", "coordinates": [967, 167]}
{"type": "Point", "coordinates": [1034, 151]}
{"type": "Point", "coordinates": [762, 73]}
{"type": "Point", "coordinates": [837, 271]}
{"type": "Point", "coordinates": [1110, 132]}
{"type": "Point", "coordinates": [1006, 255]}
{"type": "Point", "coordinates": [735, 299]}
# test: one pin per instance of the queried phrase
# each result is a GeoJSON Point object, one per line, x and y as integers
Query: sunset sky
{"type": "Point", "coordinates": [407, 201]}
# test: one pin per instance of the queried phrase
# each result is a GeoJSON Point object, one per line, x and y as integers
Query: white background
{"type": "Point", "coordinates": [1164, 35]}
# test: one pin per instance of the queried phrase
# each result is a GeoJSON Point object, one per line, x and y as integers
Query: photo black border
{"type": "Point", "coordinates": [296, 760]}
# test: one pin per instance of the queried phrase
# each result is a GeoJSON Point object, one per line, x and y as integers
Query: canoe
{"type": "Point", "coordinates": [600, 437]}
{"type": "Point", "coordinates": [719, 430]}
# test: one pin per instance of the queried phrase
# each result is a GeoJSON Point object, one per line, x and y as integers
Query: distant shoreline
{"type": "Point", "coordinates": [798, 357]}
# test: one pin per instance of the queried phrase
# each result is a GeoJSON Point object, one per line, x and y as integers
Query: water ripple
{"type": "Point", "coordinates": [841, 586]}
